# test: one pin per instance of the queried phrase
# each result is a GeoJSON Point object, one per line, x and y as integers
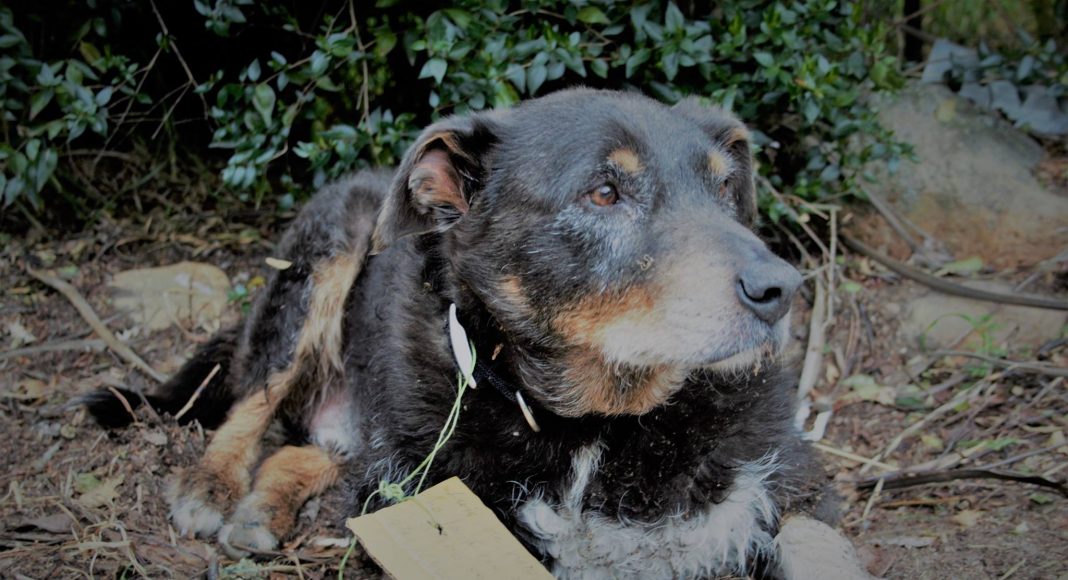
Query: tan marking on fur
{"type": "Point", "coordinates": [737, 134]}
{"type": "Point", "coordinates": [598, 387]}
{"type": "Point", "coordinates": [236, 445]}
{"type": "Point", "coordinates": [718, 163]}
{"type": "Point", "coordinates": [223, 472]}
{"type": "Point", "coordinates": [289, 478]}
{"type": "Point", "coordinates": [581, 322]}
{"type": "Point", "coordinates": [322, 326]}
{"type": "Point", "coordinates": [627, 160]}
{"type": "Point", "coordinates": [511, 290]}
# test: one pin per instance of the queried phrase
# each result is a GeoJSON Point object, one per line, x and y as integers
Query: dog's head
{"type": "Point", "coordinates": [610, 237]}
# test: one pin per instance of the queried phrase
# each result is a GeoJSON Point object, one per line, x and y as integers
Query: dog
{"type": "Point", "coordinates": [632, 416]}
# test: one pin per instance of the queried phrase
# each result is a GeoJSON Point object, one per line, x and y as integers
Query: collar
{"type": "Point", "coordinates": [478, 370]}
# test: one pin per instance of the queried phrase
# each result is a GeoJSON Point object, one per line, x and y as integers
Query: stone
{"type": "Point", "coordinates": [940, 319]}
{"type": "Point", "coordinates": [190, 293]}
{"type": "Point", "coordinates": [972, 187]}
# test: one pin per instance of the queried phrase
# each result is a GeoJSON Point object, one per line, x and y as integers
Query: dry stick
{"type": "Point", "coordinates": [1013, 570]}
{"type": "Point", "coordinates": [94, 321]}
{"type": "Point", "coordinates": [188, 73]}
{"type": "Point", "coordinates": [810, 372]}
{"type": "Point", "coordinates": [885, 483]}
{"type": "Point", "coordinates": [1022, 456]}
{"type": "Point", "coordinates": [1009, 364]}
{"type": "Point", "coordinates": [196, 394]}
{"type": "Point", "coordinates": [76, 344]}
{"type": "Point", "coordinates": [853, 456]}
{"type": "Point", "coordinates": [949, 287]}
{"type": "Point", "coordinates": [125, 403]}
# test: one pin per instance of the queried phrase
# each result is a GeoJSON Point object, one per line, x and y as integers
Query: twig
{"type": "Point", "coordinates": [949, 287]}
{"type": "Point", "coordinates": [188, 73]}
{"type": "Point", "coordinates": [125, 403]}
{"type": "Point", "coordinates": [196, 394]}
{"type": "Point", "coordinates": [854, 457]}
{"type": "Point", "coordinates": [1008, 364]}
{"type": "Point", "coordinates": [886, 483]}
{"type": "Point", "coordinates": [1022, 456]}
{"type": "Point", "coordinates": [878, 489]}
{"type": "Point", "coordinates": [79, 344]}
{"type": "Point", "coordinates": [810, 372]}
{"type": "Point", "coordinates": [1013, 570]}
{"type": "Point", "coordinates": [793, 214]}
{"type": "Point", "coordinates": [98, 326]}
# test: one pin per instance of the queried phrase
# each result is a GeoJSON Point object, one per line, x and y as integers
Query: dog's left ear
{"type": "Point", "coordinates": [433, 185]}
{"type": "Point", "coordinates": [731, 135]}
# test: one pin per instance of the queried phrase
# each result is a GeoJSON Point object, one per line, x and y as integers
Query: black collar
{"type": "Point", "coordinates": [484, 374]}
{"type": "Point", "coordinates": [483, 371]}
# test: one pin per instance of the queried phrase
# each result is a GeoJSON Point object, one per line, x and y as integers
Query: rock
{"type": "Point", "coordinates": [973, 186]}
{"type": "Point", "coordinates": [941, 319]}
{"type": "Point", "coordinates": [191, 293]}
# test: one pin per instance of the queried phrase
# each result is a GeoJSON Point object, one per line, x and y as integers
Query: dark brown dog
{"type": "Point", "coordinates": [632, 418]}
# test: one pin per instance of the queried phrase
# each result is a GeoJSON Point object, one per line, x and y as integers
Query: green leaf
{"type": "Point", "coordinates": [536, 75]}
{"type": "Point", "coordinates": [599, 68]}
{"type": "Point", "coordinates": [385, 40]}
{"type": "Point", "coordinates": [592, 15]}
{"type": "Point", "coordinates": [253, 70]}
{"type": "Point", "coordinates": [637, 59]}
{"type": "Point", "coordinates": [263, 99]}
{"type": "Point", "coordinates": [103, 97]}
{"type": "Point", "coordinates": [89, 52]}
{"type": "Point", "coordinates": [33, 147]}
{"type": "Point", "coordinates": [504, 96]}
{"type": "Point", "coordinates": [966, 267]}
{"type": "Point", "coordinates": [40, 101]}
{"type": "Point", "coordinates": [434, 68]}
{"type": "Point", "coordinates": [764, 58]}
{"type": "Point", "coordinates": [673, 18]}
{"type": "Point", "coordinates": [461, 18]}
{"type": "Point", "coordinates": [9, 40]}
{"type": "Point", "coordinates": [517, 76]}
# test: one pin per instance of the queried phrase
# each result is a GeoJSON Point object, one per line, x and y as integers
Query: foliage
{"type": "Point", "coordinates": [51, 104]}
{"type": "Point", "coordinates": [1030, 63]}
{"type": "Point", "coordinates": [308, 106]}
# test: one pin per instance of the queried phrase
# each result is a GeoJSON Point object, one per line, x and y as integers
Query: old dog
{"type": "Point", "coordinates": [632, 418]}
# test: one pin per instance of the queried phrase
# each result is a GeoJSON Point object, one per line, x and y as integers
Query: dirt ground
{"type": "Point", "coordinates": [76, 501]}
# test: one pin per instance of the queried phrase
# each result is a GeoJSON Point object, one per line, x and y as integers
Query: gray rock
{"type": "Point", "coordinates": [941, 319]}
{"type": "Point", "coordinates": [973, 187]}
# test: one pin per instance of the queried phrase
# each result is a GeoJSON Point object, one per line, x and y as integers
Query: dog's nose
{"type": "Point", "coordinates": [767, 288]}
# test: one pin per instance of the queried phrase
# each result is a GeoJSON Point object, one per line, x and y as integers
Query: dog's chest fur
{"type": "Point", "coordinates": [583, 541]}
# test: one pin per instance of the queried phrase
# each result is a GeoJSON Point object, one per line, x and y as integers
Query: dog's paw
{"type": "Point", "coordinates": [199, 502]}
{"type": "Point", "coordinates": [248, 531]}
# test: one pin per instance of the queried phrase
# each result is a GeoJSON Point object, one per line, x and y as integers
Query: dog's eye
{"type": "Point", "coordinates": [605, 195]}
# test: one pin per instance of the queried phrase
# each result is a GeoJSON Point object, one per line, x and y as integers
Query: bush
{"type": "Point", "coordinates": [307, 106]}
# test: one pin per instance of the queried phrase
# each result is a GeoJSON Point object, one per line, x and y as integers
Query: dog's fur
{"type": "Point", "coordinates": [665, 446]}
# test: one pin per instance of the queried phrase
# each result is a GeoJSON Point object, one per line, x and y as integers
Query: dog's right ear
{"type": "Point", "coordinates": [433, 185]}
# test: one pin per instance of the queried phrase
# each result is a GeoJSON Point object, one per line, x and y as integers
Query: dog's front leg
{"type": "Point", "coordinates": [284, 482]}
{"type": "Point", "coordinates": [202, 495]}
{"type": "Point", "coordinates": [809, 549]}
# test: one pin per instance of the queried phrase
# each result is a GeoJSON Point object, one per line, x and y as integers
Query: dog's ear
{"type": "Point", "coordinates": [434, 183]}
{"type": "Point", "coordinates": [731, 136]}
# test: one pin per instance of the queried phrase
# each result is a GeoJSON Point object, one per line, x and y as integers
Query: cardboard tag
{"type": "Point", "coordinates": [445, 532]}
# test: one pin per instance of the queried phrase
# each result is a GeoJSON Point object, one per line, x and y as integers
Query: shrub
{"type": "Point", "coordinates": [308, 106]}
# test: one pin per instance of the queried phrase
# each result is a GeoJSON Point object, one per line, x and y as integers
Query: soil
{"type": "Point", "coordinates": [77, 501]}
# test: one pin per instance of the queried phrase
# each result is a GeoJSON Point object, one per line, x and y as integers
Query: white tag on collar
{"type": "Point", "coordinates": [461, 347]}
